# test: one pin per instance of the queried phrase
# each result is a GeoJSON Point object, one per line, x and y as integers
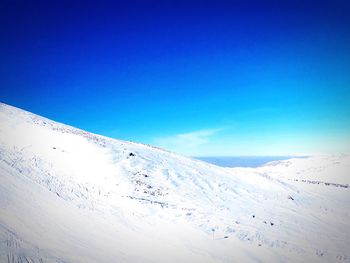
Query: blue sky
{"type": "Point", "coordinates": [196, 77]}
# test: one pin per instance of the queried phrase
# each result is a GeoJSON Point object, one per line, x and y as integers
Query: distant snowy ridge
{"type": "Point", "coordinates": [67, 195]}
{"type": "Point", "coordinates": [330, 169]}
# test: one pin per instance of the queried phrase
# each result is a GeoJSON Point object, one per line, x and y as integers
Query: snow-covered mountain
{"type": "Point", "coordinates": [327, 169]}
{"type": "Point", "coordinates": [67, 195]}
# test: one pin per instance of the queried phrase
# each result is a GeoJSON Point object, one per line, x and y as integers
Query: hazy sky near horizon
{"type": "Point", "coordinates": [200, 78]}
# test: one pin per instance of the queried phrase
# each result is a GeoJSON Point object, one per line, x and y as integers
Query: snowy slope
{"type": "Point", "coordinates": [67, 195]}
{"type": "Point", "coordinates": [332, 169]}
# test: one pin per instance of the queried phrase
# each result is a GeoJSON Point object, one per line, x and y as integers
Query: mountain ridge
{"type": "Point", "coordinates": [68, 195]}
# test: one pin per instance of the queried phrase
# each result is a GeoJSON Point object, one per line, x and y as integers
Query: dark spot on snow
{"type": "Point", "coordinates": [259, 245]}
{"type": "Point", "coordinates": [320, 253]}
{"type": "Point", "coordinates": [237, 222]}
{"type": "Point", "coordinates": [54, 148]}
{"type": "Point", "coordinates": [132, 154]}
{"type": "Point", "coordinates": [253, 216]}
{"type": "Point", "coordinates": [188, 214]}
{"type": "Point", "coordinates": [271, 223]}
{"type": "Point", "coordinates": [291, 198]}
{"type": "Point", "coordinates": [265, 222]}
{"type": "Point", "coordinates": [225, 236]}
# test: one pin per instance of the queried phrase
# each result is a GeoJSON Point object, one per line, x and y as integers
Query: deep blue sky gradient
{"type": "Point", "coordinates": [263, 77]}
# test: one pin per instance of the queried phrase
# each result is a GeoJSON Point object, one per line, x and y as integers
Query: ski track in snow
{"type": "Point", "coordinates": [67, 195]}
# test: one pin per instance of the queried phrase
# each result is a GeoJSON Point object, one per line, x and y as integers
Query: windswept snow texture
{"type": "Point", "coordinates": [67, 195]}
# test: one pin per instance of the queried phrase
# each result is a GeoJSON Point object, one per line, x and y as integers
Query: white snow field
{"type": "Point", "coordinates": [67, 195]}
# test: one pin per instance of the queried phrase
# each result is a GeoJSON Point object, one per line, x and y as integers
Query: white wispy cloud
{"type": "Point", "coordinates": [187, 143]}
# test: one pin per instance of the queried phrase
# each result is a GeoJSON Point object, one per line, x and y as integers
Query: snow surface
{"type": "Point", "coordinates": [67, 195]}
